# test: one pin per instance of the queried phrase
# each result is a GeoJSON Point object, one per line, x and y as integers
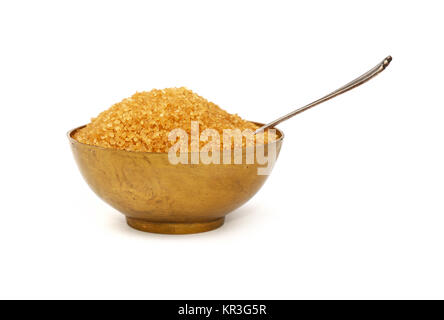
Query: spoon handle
{"type": "Point", "coordinates": [353, 84]}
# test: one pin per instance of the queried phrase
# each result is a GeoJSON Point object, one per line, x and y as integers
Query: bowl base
{"type": "Point", "coordinates": [174, 228]}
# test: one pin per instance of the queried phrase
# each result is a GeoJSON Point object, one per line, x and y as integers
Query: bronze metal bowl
{"type": "Point", "coordinates": [157, 196]}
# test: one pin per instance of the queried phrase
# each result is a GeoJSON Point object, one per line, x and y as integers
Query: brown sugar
{"type": "Point", "coordinates": [143, 121]}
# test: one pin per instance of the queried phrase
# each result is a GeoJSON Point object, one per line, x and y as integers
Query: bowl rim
{"type": "Point", "coordinates": [74, 141]}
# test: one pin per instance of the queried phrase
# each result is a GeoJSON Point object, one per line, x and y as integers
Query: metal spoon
{"type": "Point", "coordinates": [353, 84]}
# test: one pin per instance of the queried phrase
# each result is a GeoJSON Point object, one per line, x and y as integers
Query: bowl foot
{"type": "Point", "coordinates": [174, 228]}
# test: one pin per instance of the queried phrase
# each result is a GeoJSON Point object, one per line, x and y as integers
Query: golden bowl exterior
{"type": "Point", "coordinates": [157, 196]}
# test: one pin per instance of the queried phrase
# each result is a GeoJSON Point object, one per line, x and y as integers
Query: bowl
{"type": "Point", "coordinates": [160, 197]}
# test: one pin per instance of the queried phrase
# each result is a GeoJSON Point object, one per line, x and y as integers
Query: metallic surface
{"type": "Point", "coordinates": [353, 84]}
{"type": "Point", "coordinates": [156, 196]}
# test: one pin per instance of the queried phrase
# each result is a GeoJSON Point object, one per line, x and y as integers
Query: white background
{"type": "Point", "coordinates": [353, 209]}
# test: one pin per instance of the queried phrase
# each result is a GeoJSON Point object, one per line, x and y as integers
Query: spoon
{"type": "Point", "coordinates": [353, 84]}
